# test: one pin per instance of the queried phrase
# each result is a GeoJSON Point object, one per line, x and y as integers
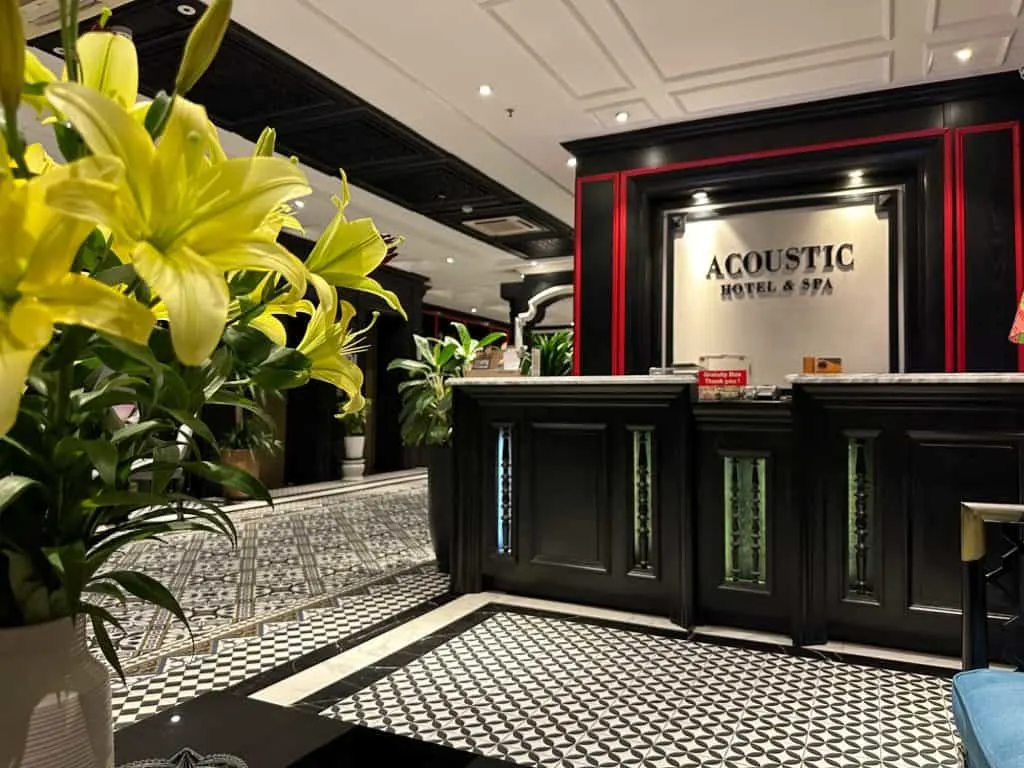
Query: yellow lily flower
{"type": "Point", "coordinates": [178, 213]}
{"type": "Point", "coordinates": [329, 344]}
{"type": "Point", "coordinates": [266, 321]}
{"type": "Point", "coordinates": [37, 160]}
{"type": "Point", "coordinates": [109, 65]}
{"type": "Point", "coordinates": [37, 292]}
{"type": "Point", "coordinates": [348, 251]}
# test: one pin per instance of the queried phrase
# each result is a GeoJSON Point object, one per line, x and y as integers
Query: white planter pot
{"type": "Point", "coordinates": [351, 469]}
{"type": "Point", "coordinates": [354, 447]}
{"type": "Point", "coordinates": [55, 699]}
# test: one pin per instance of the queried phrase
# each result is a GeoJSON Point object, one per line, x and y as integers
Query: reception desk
{"type": "Point", "coordinates": [831, 514]}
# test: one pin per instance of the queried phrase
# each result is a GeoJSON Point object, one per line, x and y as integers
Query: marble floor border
{"type": "Point", "coordinates": [204, 644]}
{"type": "Point", "coordinates": [403, 644]}
{"type": "Point", "coordinates": [294, 666]}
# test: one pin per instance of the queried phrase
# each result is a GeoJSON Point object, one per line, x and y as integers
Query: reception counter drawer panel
{"type": "Point", "coordinates": [581, 501]}
{"type": "Point", "coordinates": [568, 513]}
{"type": "Point", "coordinates": [742, 515]}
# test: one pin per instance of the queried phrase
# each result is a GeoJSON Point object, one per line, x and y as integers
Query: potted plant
{"type": "Point", "coordinates": [142, 276]}
{"type": "Point", "coordinates": [353, 422]}
{"type": "Point", "coordinates": [555, 354]}
{"type": "Point", "coordinates": [250, 440]}
{"type": "Point", "coordinates": [426, 420]}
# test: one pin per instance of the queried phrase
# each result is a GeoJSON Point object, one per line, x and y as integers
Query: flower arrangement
{"type": "Point", "coordinates": [142, 270]}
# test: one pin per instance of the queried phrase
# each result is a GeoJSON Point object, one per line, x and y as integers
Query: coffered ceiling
{"type": "Point", "coordinates": [411, 73]}
{"type": "Point", "coordinates": [568, 67]}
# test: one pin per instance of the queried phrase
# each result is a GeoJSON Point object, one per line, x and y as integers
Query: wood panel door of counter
{"type": "Point", "coordinates": [578, 499]}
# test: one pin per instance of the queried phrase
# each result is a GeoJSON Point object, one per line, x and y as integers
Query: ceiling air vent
{"type": "Point", "coordinates": [43, 16]}
{"type": "Point", "coordinates": [503, 226]}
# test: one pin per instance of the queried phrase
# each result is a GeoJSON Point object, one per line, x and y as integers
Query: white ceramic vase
{"type": "Point", "coordinates": [54, 699]}
{"type": "Point", "coordinates": [354, 447]}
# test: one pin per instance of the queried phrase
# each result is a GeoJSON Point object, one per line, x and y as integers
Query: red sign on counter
{"type": "Point", "coordinates": [727, 378]}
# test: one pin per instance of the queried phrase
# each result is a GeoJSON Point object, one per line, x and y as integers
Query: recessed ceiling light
{"type": "Point", "coordinates": [485, 90]}
{"type": "Point", "coordinates": [534, 263]}
{"type": "Point", "coordinates": [621, 117]}
{"type": "Point", "coordinates": [175, 718]}
{"type": "Point", "coordinates": [571, 162]}
{"type": "Point", "coordinates": [186, 10]}
{"type": "Point", "coordinates": [467, 209]}
{"type": "Point", "coordinates": [700, 197]}
{"type": "Point", "coordinates": [449, 260]}
{"type": "Point", "coordinates": [857, 175]}
{"type": "Point", "coordinates": [964, 55]}
{"type": "Point", "coordinates": [300, 204]}
{"type": "Point", "coordinates": [59, 50]}
{"type": "Point", "coordinates": [473, 310]}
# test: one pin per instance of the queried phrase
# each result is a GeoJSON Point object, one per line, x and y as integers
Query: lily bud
{"type": "Point", "coordinates": [12, 57]}
{"type": "Point", "coordinates": [110, 65]}
{"type": "Point", "coordinates": [267, 142]}
{"type": "Point", "coordinates": [202, 45]}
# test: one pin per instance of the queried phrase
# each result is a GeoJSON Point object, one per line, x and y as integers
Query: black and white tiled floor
{"type": "Point", "coordinates": [329, 606]}
{"type": "Point", "coordinates": [293, 556]}
{"type": "Point", "coordinates": [538, 690]}
{"type": "Point", "coordinates": [235, 660]}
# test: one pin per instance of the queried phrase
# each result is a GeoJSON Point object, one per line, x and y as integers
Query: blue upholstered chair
{"type": "Point", "coordinates": [988, 704]}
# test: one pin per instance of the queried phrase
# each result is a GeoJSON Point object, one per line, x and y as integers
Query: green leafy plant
{"type": "Point", "coordinates": [354, 422]}
{"type": "Point", "coordinates": [555, 353]}
{"type": "Point", "coordinates": [426, 396]}
{"type": "Point", "coordinates": [252, 432]}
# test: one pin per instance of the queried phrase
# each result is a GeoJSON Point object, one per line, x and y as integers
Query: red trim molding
{"type": "Point", "coordinates": [951, 192]}
{"type": "Point", "coordinates": [961, 233]}
{"type": "Point", "coordinates": [620, 235]}
{"type": "Point", "coordinates": [577, 280]}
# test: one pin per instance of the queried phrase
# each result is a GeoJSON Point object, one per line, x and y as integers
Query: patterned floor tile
{"type": "Point", "coordinates": [288, 556]}
{"type": "Point", "coordinates": [235, 660]}
{"type": "Point", "coordinates": [544, 691]}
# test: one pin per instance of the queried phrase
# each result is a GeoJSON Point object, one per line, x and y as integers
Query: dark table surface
{"type": "Point", "coordinates": [268, 736]}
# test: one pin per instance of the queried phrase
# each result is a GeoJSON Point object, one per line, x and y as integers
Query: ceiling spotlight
{"type": "Point", "coordinates": [856, 176]}
{"type": "Point", "coordinates": [473, 310]}
{"type": "Point", "coordinates": [621, 117]}
{"type": "Point", "coordinates": [467, 209]}
{"type": "Point", "coordinates": [534, 263]}
{"type": "Point", "coordinates": [700, 198]}
{"type": "Point", "coordinates": [186, 10]}
{"type": "Point", "coordinates": [485, 90]}
{"type": "Point", "coordinates": [59, 50]}
{"type": "Point", "coordinates": [300, 204]}
{"type": "Point", "coordinates": [449, 260]}
{"type": "Point", "coordinates": [964, 55]}
{"type": "Point", "coordinates": [175, 719]}
{"type": "Point", "coordinates": [571, 162]}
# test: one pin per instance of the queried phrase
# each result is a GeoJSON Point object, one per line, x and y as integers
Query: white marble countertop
{"type": "Point", "coordinates": [907, 378]}
{"type": "Point", "coordinates": [528, 381]}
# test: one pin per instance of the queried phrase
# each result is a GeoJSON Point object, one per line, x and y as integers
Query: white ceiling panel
{"type": "Point", "coordinates": [952, 13]}
{"type": "Point", "coordinates": [558, 37]}
{"type": "Point", "coordinates": [684, 38]}
{"type": "Point", "coordinates": [830, 77]}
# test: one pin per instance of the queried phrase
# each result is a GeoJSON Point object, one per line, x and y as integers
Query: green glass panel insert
{"type": "Point", "coordinates": [746, 553]}
{"type": "Point", "coordinates": [860, 513]}
{"type": "Point", "coordinates": [643, 497]}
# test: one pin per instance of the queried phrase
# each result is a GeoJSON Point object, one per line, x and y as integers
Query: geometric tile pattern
{"type": "Point", "coordinates": [544, 691]}
{"type": "Point", "coordinates": [236, 659]}
{"type": "Point", "coordinates": [288, 557]}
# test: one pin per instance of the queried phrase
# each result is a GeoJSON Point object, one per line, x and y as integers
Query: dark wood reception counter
{"type": "Point", "coordinates": [832, 514]}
